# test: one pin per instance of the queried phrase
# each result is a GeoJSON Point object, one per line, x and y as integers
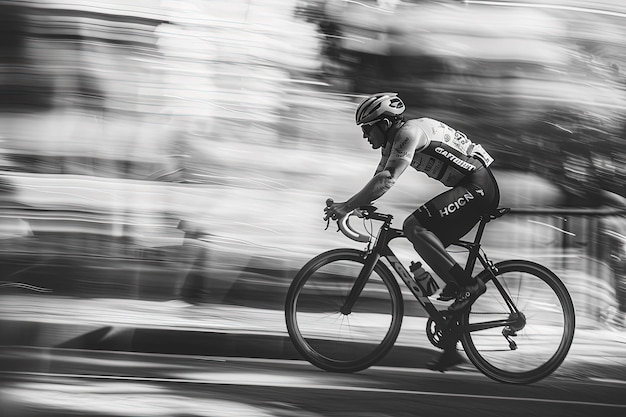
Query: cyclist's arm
{"type": "Point", "coordinates": [381, 164]}
{"type": "Point", "coordinates": [399, 159]}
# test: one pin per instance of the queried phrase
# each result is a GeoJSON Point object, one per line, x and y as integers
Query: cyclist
{"type": "Point", "coordinates": [444, 154]}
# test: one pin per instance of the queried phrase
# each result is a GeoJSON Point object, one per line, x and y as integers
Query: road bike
{"type": "Point", "coordinates": [344, 308]}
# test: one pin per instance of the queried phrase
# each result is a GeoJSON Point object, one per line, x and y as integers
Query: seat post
{"type": "Point", "coordinates": [481, 228]}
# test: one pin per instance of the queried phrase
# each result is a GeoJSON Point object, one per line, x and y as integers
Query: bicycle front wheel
{"type": "Point", "coordinates": [330, 339]}
{"type": "Point", "coordinates": [521, 329]}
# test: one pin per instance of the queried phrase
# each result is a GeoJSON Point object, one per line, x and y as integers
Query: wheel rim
{"type": "Point", "coordinates": [336, 341]}
{"type": "Point", "coordinates": [538, 340]}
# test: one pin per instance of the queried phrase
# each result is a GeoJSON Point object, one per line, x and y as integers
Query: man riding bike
{"type": "Point", "coordinates": [448, 156]}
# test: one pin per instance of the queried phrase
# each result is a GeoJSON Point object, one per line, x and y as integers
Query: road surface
{"type": "Point", "coordinates": [66, 382]}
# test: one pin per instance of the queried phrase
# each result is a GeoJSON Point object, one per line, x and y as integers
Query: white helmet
{"type": "Point", "coordinates": [379, 106]}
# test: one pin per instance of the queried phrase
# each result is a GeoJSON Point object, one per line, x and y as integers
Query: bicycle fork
{"type": "Point", "coordinates": [359, 284]}
{"type": "Point", "coordinates": [371, 256]}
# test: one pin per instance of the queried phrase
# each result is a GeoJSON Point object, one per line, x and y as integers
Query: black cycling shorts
{"type": "Point", "coordinates": [453, 213]}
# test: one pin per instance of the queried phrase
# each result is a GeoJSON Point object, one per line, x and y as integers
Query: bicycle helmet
{"type": "Point", "coordinates": [379, 106]}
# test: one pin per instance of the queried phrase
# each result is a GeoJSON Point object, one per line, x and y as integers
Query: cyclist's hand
{"type": "Point", "coordinates": [335, 211]}
{"type": "Point", "coordinates": [360, 213]}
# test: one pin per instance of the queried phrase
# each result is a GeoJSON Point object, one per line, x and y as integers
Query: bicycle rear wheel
{"type": "Point", "coordinates": [539, 333]}
{"type": "Point", "coordinates": [326, 337]}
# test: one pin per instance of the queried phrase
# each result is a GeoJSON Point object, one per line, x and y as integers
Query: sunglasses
{"type": "Point", "coordinates": [368, 127]}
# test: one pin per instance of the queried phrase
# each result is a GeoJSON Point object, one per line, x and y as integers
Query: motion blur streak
{"type": "Point", "coordinates": [542, 5]}
{"type": "Point", "coordinates": [118, 398]}
{"type": "Point", "coordinates": [164, 159]}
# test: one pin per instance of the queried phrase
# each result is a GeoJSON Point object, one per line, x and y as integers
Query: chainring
{"type": "Point", "coordinates": [434, 333]}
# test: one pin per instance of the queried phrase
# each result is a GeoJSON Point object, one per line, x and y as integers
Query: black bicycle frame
{"type": "Point", "coordinates": [381, 249]}
{"type": "Point", "coordinates": [473, 249]}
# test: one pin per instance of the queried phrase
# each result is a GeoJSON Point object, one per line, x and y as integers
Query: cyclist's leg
{"type": "Point", "coordinates": [438, 223]}
{"type": "Point", "coordinates": [448, 217]}
{"type": "Point", "coordinates": [441, 221]}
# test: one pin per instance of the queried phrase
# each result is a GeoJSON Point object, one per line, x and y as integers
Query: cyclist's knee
{"type": "Point", "coordinates": [412, 228]}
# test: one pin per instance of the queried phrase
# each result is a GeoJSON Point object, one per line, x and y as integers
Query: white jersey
{"type": "Point", "coordinates": [438, 150]}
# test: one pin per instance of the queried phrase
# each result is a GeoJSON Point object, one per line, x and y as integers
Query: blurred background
{"type": "Point", "coordinates": [183, 149]}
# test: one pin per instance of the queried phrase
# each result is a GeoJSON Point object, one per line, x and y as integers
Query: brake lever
{"type": "Point", "coordinates": [327, 218]}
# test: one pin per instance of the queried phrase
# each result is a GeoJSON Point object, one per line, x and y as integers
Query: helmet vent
{"type": "Point", "coordinates": [379, 106]}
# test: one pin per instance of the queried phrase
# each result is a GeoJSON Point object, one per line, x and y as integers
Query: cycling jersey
{"type": "Point", "coordinates": [453, 213]}
{"type": "Point", "coordinates": [447, 155]}
{"type": "Point", "coordinates": [436, 149]}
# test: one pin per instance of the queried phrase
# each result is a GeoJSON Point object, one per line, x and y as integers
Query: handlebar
{"type": "Point", "coordinates": [348, 231]}
{"type": "Point", "coordinates": [344, 222]}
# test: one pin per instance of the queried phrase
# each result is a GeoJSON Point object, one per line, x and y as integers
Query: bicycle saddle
{"type": "Point", "coordinates": [499, 212]}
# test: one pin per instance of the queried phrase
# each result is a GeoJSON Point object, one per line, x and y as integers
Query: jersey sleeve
{"type": "Point", "coordinates": [406, 143]}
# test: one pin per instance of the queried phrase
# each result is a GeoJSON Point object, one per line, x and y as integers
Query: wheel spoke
{"type": "Point", "coordinates": [343, 342]}
{"type": "Point", "coordinates": [538, 340]}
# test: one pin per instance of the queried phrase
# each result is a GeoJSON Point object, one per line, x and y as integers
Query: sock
{"type": "Point", "coordinates": [460, 276]}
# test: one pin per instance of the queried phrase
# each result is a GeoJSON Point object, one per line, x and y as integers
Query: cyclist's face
{"type": "Point", "coordinates": [374, 134]}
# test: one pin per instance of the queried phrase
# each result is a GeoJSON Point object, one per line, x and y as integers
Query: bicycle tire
{"type": "Point", "coordinates": [312, 310]}
{"type": "Point", "coordinates": [548, 324]}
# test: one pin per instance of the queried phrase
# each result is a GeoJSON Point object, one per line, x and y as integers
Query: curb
{"type": "Point", "coordinates": [176, 342]}
{"type": "Point", "coordinates": [223, 330]}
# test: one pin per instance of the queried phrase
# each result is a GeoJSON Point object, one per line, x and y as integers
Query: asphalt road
{"type": "Point", "coordinates": [61, 382]}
